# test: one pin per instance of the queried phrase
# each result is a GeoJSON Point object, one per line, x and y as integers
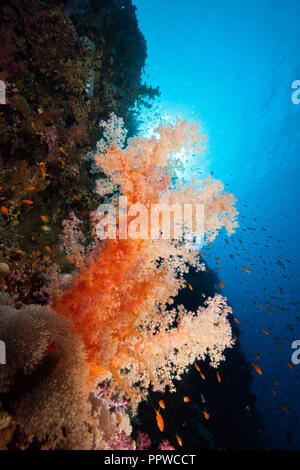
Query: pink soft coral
{"type": "Point", "coordinates": [121, 442]}
{"type": "Point", "coordinates": [165, 445]}
{"type": "Point", "coordinates": [143, 441]}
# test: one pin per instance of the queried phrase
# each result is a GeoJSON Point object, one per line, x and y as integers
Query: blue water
{"type": "Point", "coordinates": [231, 65]}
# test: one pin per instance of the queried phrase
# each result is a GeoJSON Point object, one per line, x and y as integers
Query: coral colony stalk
{"type": "Point", "coordinates": [120, 299]}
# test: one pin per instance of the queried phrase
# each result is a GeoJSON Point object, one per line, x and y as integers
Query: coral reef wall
{"type": "Point", "coordinates": [66, 66]}
{"type": "Point", "coordinates": [91, 326]}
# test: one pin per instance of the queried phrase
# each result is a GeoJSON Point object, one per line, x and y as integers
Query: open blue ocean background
{"type": "Point", "coordinates": [231, 65]}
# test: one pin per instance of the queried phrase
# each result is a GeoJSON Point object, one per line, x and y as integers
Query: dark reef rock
{"type": "Point", "coordinates": [66, 65]}
{"type": "Point", "coordinates": [234, 422]}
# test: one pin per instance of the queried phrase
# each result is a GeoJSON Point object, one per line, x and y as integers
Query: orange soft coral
{"type": "Point", "coordinates": [117, 301]}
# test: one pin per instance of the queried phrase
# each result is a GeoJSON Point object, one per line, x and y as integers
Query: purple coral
{"type": "Point", "coordinates": [121, 442]}
{"type": "Point", "coordinates": [143, 441]}
{"type": "Point", "coordinates": [49, 136]}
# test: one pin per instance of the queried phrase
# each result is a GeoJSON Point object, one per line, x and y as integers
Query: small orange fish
{"type": "Point", "coordinates": [44, 218]}
{"type": "Point", "coordinates": [218, 376]}
{"type": "Point", "coordinates": [160, 421]}
{"type": "Point", "coordinates": [161, 404]}
{"type": "Point", "coordinates": [206, 414]}
{"type": "Point", "coordinates": [247, 407]}
{"type": "Point", "coordinates": [236, 320]}
{"type": "Point", "coordinates": [257, 368]}
{"type": "Point", "coordinates": [186, 399]}
{"type": "Point", "coordinates": [222, 284]}
{"type": "Point", "coordinates": [286, 409]}
{"type": "Point", "coordinates": [42, 167]}
{"type": "Point", "coordinates": [48, 248]}
{"type": "Point", "coordinates": [197, 367]}
{"type": "Point", "coordinates": [1, 187]}
{"type": "Point", "coordinates": [61, 149]}
{"type": "Point", "coordinates": [265, 331]}
{"type": "Point", "coordinates": [179, 440]}
{"type": "Point", "coordinates": [274, 392]}
{"type": "Point", "coordinates": [76, 197]}
{"type": "Point", "coordinates": [26, 190]}
{"type": "Point", "coordinates": [202, 375]}
{"type": "Point", "coordinates": [290, 365]}
{"type": "Point", "coordinates": [247, 270]}
{"type": "Point", "coordinates": [4, 210]}
{"type": "Point", "coordinates": [190, 287]}
{"type": "Point", "coordinates": [201, 254]}
{"type": "Point", "coordinates": [27, 201]}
